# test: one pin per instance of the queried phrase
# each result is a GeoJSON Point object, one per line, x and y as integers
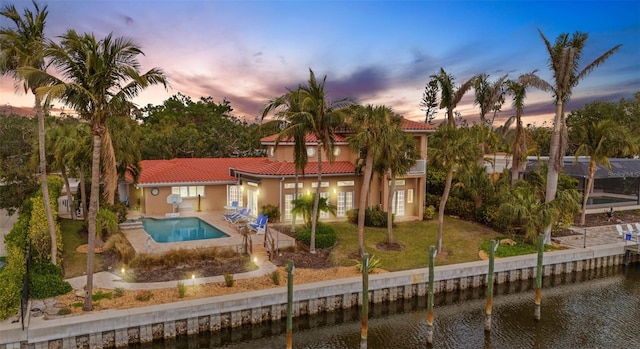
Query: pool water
{"type": "Point", "coordinates": [180, 229]}
{"type": "Point", "coordinates": [598, 200]}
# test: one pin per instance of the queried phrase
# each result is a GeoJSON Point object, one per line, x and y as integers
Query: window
{"type": "Point", "coordinates": [345, 203]}
{"type": "Point", "coordinates": [234, 193]}
{"type": "Point", "coordinates": [293, 185]}
{"type": "Point", "coordinates": [191, 191]}
{"type": "Point", "coordinates": [288, 206]}
{"type": "Point", "coordinates": [409, 196]}
{"type": "Point", "coordinates": [322, 185]}
{"type": "Point", "coordinates": [398, 203]}
{"type": "Point", "coordinates": [311, 152]}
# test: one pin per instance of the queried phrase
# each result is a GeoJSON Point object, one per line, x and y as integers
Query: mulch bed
{"type": "Point", "coordinates": [201, 269]}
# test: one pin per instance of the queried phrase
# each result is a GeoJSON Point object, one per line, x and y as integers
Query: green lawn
{"type": "Point", "coordinates": [460, 243]}
{"type": "Point", "coordinates": [75, 263]}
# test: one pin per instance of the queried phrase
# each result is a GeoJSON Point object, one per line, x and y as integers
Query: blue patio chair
{"type": "Point", "coordinates": [260, 224]}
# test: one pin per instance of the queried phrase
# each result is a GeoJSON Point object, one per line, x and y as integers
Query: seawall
{"type": "Point", "coordinates": [119, 328]}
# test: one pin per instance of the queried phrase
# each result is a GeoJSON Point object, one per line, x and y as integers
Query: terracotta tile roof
{"type": "Point", "coordinates": [281, 168]}
{"type": "Point", "coordinates": [409, 125]}
{"type": "Point", "coordinates": [211, 170]}
{"type": "Point", "coordinates": [190, 170]}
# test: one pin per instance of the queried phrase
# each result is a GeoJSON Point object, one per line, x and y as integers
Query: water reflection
{"type": "Point", "coordinates": [591, 309]}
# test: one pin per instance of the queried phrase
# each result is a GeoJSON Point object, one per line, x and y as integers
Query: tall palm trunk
{"type": "Point", "coordinates": [43, 180]}
{"type": "Point", "coordinates": [63, 170]}
{"type": "Point", "coordinates": [83, 195]}
{"type": "Point", "coordinates": [316, 203]}
{"type": "Point", "coordinates": [364, 193]}
{"type": "Point", "coordinates": [93, 211]}
{"type": "Point", "coordinates": [392, 191]}
{"type": "Point", "coordinates": [587, 191]}
{"type": "Point", "coordinates": [443, 204]}
{"type": "Point", "coordinates": [517, 148]}
{"type": "Point", "coordinates": [110, 168]}
{"type": "Point", "coordinates": [555, 162]}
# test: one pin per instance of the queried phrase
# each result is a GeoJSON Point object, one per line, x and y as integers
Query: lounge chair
{"type": "Point", "coordinates": [243, 215]}
{"type": "Point", "coordinates": [260, 224]}
{"type": "Point", "coordinates": [231, 217]}
{"type": "Point", "coordinates": [620, 230]}
{"type": "Point", "coordinates": [630, 229]}
{"type": "Point", "coordinates": [233, 207]}
{"type": "Point", "coordinates": [637, 229]}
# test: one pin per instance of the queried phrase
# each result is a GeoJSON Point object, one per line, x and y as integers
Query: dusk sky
{"type": "Point", "coordinates": [376, 52]}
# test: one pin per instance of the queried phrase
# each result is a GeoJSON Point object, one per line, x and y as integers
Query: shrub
{"type": "Point", "coordinates": [100, 295]}
{"type": "Point", "coordinates": [11, 284]}
{"type": "Point", "coordinates": [45, 281]}
{"type": "Point", "coordinates": [118, 209]}
{"type": "Point", "coordinates": [429, 213]}
{"type": "Point", "coordinates": [272, 211]}
{"type": "Point", "coordinates": [118, 292]}
{"type": "Point", "coordinates": [228, 279]}
{"type": "Point", "coordinates": [373, 263]}
{"type": "Point", "coordinates": [373, 217]}
{"type": "Point", "coordinates": [77, 304]}
{"type": "Point", "coordinates": [325, 236]}
{"type": "Point", "coordinates": [182, 289]}
{"type": "Point", "coordinates": [64, 311]}
{"type": "Point", "coordinates": [119, 244]}
{"type": "Point", "coordinates": [144, 296]}
{"type": "Point", "coordinates": [275, 277]}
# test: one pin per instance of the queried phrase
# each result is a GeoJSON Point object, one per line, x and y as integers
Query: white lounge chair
{"type": "Point", "coordinates": [243, 215]}
{"type": "Point", "coordinates": [630, 229]}
{"type": "Point", "coordinates": [620, 230]}
{"type": "Point", "coordinates": [231, 217]}
{"type": "Point", "coordinates": [637, 229]}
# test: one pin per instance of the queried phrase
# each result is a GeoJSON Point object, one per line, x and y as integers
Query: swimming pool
{"type": "Point", "coordinates": [180, 229]}
{"type": "Point", "coordinates": [599, 200]}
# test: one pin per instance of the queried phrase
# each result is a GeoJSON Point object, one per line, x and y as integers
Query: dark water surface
{"type": "Point", "coordinates": [591, 309]}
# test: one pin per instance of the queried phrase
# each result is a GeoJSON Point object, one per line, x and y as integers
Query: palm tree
{"type": "Point", "coordinates": [564, 57]}
{"type": "Point", "coordinates": [63, 141]}
{"type": "Point", "coordinates": [372, 127]}
{"type": "Point", "coordinates": [398, 158]}
{"type": "Point", "coordinates": [22, 47]}
{"type": "Point", "coordinates": [453, 149]}
{"type": "Point", "coordinates": [286, 106]}
{"type": "Point", "coordinates": [319, 118]}
{"type": "Point", "coordinates": [518, 89]}
{"type": "Point", "coordinates": [449, 95]}
{"type": "Point", "coordinates": [490, 97]}
{"type": "Point", "coordinates": [599, 141]}
{"type": "Point", "coordinates": [98, 79]}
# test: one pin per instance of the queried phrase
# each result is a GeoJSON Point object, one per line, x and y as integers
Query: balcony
{"type": "Point", "coordinates": [419, 168]}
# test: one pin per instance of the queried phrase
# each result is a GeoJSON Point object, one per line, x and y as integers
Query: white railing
{"type": "Point", "coordinates": [419, 168]}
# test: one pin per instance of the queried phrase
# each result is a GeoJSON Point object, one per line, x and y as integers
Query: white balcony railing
{"type": "Point", "coordinates": [419, 168]}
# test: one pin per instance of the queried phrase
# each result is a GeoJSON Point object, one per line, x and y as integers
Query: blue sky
{"type": "Point", "coordinates": [377, 52]}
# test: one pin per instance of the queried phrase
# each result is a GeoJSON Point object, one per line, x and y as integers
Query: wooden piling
{"type": "Point", "coordinates": [290, 269]}
{"type": "Point", "coordinates": [365, 300]}
{"type": "Point", "coordinates": [538, 299]}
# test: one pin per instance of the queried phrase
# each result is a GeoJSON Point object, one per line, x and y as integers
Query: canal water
{"type": "Point", "coordinates": [590, 309]}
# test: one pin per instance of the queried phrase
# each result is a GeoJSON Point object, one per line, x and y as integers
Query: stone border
{"type": "Point", "coordinates": [119, 328]}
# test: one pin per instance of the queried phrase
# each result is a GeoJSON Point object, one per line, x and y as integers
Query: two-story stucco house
{"type": "Point", "coordinates": [210, 184]}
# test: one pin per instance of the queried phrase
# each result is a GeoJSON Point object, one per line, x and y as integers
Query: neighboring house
{"type": "Point", "coordinates": [616, 188]}
{"type": "Point", "coordinates": [210, 184]}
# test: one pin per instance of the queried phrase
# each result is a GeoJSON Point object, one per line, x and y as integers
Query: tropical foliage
{"type": "Point", "coordinates": [564, 60]}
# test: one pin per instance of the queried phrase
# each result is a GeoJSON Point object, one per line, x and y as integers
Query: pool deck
{"type": "Point", "coordinates": [143, 243]}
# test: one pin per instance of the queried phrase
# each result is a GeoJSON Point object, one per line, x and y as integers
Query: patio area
{"type": "Point", "coordinates": [143, 243]}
